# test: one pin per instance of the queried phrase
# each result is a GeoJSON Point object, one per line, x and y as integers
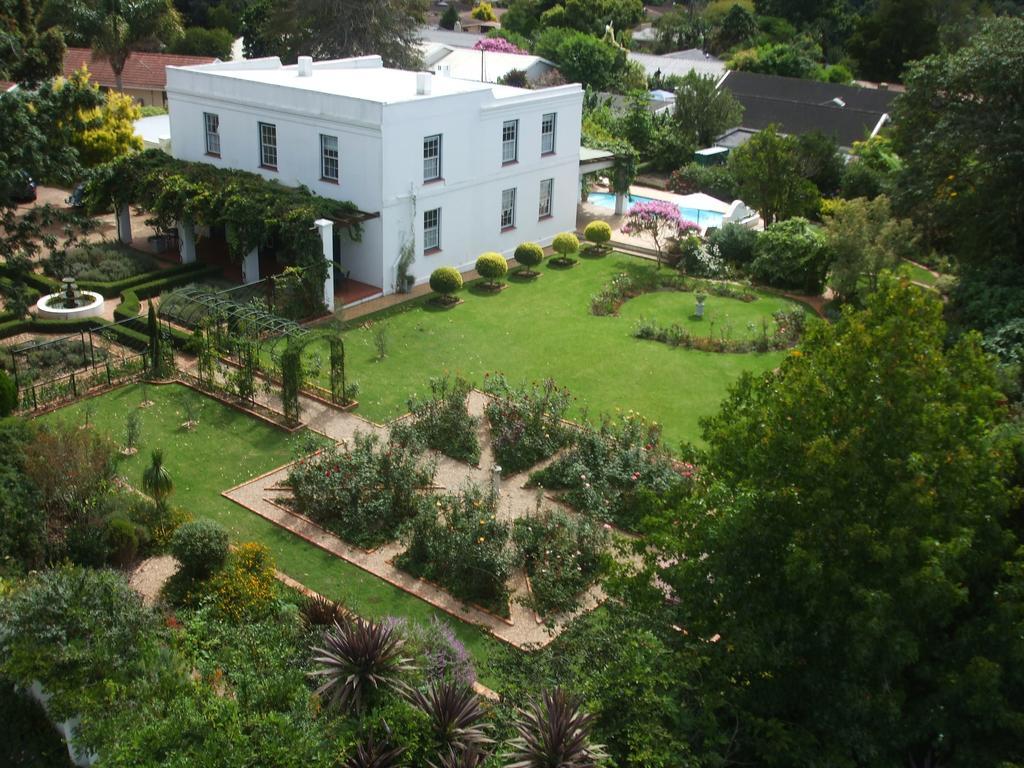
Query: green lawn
{"type": "Point", "coordinates": [228, 448]}
{"type": "Point", "coordinates": [533, 330]}
{"type": "Point", "coordinates": [919, 274]}
{"type": "Point", "coordinates": [731, 318]}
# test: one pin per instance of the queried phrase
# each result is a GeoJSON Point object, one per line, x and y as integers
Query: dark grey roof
{"type": "Point", "coordinates": [802, 106]}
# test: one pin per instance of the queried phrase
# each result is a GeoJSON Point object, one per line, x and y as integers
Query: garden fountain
{"type": "Point", "coordinates": [70, 302]}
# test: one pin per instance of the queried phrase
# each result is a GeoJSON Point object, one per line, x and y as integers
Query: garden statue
{"type": "Point", "coordinates": [699, 311]}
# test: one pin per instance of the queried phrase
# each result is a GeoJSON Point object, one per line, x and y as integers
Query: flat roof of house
{"type": "Point", "coordinates": [679, 65]}
{"type": "Point", "coordinates": [142, 71]}
{"type": "Point", "coordinates": [360, 78]}
{"type": "Point", "coordinates": [449, 37]}
{"type": "Point", "coordinates": [468, 64]}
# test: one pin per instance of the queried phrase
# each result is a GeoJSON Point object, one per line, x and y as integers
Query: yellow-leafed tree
{"type": "Point", "coordinates": [107, 132]}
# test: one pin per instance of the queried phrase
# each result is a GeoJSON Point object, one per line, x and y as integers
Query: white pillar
{"type": "Point", "coordinates": [251, 266]}
{"type": "Point", "coordinates": [186, 241]}
{"type": "Point", "coordinates": [620, 204]}
{"type": "Point", "coordinates": [326, 227]}
{"type": "Point", "coordinates": [124, 224]}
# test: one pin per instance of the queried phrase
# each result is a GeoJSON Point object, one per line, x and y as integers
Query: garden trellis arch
{"type": "Point", "coordinates": [191, 304]}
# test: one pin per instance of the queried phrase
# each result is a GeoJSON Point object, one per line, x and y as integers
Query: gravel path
{"type": "Point", "coordinates": [150, 575]}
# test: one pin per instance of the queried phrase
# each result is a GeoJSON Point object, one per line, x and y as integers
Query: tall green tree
{"type": "Point", "coordinates": [115, 28]}
{"type": "Point", "coordinates": [703, 111]}
{"type": "Point", "coordinates": [853, 552]}
{"type": "Point", "coordinates": [865, 240]}
{"type": "Point", "coordinates": [332, 29]}
{"type": "Point", "coordinates": [768, 172]}
{"type": "Point", "coordinates": [959, 129]}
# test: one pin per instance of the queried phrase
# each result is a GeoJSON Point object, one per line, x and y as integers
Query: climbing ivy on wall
{"type": "Point", "coordinates": [254, 212]}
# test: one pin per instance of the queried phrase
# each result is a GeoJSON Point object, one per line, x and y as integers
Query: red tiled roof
{"type": "Point", "coordinates": [144, 71]}
{"type": "Point", "coordinates": [6, 86]}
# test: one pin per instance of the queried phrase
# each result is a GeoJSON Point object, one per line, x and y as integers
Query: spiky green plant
{"type": "Point", "coordinates": [469, 758]}
{"type": "Point", "coordinates": [372, 753]}
{"type": "Point", "coordinates": [156, 480]}
{"type": "Point", "coordinates": [455, 712]}
{"type": "Point", "coordinates": [358, 658]}
{"type": "Point", "coordinates": [320, 611]}
{"type": "Point", "coordinates": [554, 733]}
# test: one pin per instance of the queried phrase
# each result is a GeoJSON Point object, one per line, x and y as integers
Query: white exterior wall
{"type": "Point", "coordinates": [381, 159]}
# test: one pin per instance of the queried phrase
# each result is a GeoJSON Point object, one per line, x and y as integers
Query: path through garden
{"type": "Point", "coordinates": [263, 495]}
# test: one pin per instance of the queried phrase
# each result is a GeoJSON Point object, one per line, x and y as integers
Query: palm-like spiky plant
{"type": "Point", "coordinates": [469, 758]}
{"type": "Point", "coordinates": [554, 733]}
{"type": "Point", "coordinates": [156, 480]}
{"type": "Point", "coordinates": [456, 715]}
{"type": "Point", "coordinates": [374, 754]}
{"type": "Point", "coordinates": [320, 611]}
{"type": "Point", "coordinates": [358, 659]}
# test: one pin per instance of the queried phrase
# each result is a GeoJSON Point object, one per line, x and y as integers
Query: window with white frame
{"type": "Point", "coordinates": [432, 157]}
{"type": "Point", "coordinates": [508, 208]}
{"type": "Point", "coordinates": [547, 134]}
{"type": "Point", "coordinates": [432, 229]}
{"type": "Point", "coordinates": [509, 141]}
{"type": "Point", "coordinates": [330, 167]}
{"type": "Point", "coordinates": [546, 188]}
{"type": "Point", "coordinates": [268, 145]}
{"type": "Point", "coordinates": [212, 124]}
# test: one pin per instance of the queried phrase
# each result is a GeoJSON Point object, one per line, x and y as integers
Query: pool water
{"type": "Point", "coordinates": [703, 219]}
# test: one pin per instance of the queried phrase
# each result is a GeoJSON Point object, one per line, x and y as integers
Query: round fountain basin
{"type": "Point", "coordinates": [52, 306]}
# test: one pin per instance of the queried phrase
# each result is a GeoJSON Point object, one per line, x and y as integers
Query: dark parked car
{"type": "Point", "coordinates": [23, 190]}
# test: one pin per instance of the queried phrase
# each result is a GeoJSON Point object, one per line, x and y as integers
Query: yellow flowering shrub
{"type": "Point", "coordinates": [245, 588]}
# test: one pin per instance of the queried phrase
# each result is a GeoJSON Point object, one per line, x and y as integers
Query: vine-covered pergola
{"type": "Point", "coordinates": [254, 212]}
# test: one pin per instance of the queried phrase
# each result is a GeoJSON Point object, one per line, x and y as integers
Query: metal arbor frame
{"type": "Point", "coordinates": [198, 302]}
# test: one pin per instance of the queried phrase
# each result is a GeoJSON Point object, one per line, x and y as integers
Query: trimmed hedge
{"type": "Point", "coordinates": [117, 287]}
{"type": "Point", "coordinates": [491, 266]}
{"type": "Point", "coordinates": [446, 281]}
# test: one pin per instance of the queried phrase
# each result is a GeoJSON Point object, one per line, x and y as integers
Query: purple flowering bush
{"type": "Point", "coordinates": [659, 220]}
{"type": "Point", "coordinates": [436, 651]}
{"type": "Point", "coordinates": [498, 45]}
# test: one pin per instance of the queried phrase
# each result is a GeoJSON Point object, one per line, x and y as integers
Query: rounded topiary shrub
{"type": "Point", "coordinates": [565, 244]}
{"type": "Point", "coordinates": [201, 547]}
{"type": "Point", "coordinates": [445, 281]}
{"type": "Point", "coordinates": [8, 395]}
{"type": "Point", "coordinates": [529, 255]}
{"type": "Point", "coordinates": [492, 267]}
{"type": "Point", "coordinates": [598, 233]}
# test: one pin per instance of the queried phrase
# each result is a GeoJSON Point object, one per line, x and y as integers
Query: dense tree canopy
{"type": "Point", "coordinates": [332, 29]}
{"type": "Point", "coordinates": [27, 55]}
{"type": "Point", "coordinates": [854, 551]}
{"type": "Point", "coordinates": [959, 129]}
{"type": "Point", "coordinates": [769, 174]}
{"type": "Point", "coordinates": [703, 111]}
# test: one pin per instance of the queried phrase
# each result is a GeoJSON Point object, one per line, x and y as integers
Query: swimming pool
{"type": "Point", "coordinates": [703, 219]}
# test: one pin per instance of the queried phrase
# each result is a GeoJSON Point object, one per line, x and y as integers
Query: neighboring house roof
{"type": "Point", "coordinates": [678, 65]}
{"type": "Point", "coordinates": [448, 37]}
{"type": "Point", "coordinates": [142, 71]}
{"type": "Point", "coordinates": [6, 85]}
{"type": "Point", "coordinates": [488, 66]}
{"type": "Point", "coordinates": [619, 103]}
{"type": "Point", "coordinates": [646, 34]}
{"type": "Point", "coordinates": [155, 131]}
{"type": "Point", "coordinates": [796, 106]}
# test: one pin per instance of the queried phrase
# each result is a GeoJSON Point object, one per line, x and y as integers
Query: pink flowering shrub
{"type": "Point", "coordinates": [658, 219]}
{"type": "Point", "coordinates": [498, 45]}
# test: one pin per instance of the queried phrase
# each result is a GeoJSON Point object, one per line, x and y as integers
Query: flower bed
{"type": "Point", "coordinates": [526, 422]}
{"type": "Point", "coordinates": [562, 554]}
{"type": "Point", "coordinates": [457, 541]}
{"type": "Point", "coordinates": [787, 330]}
{"type": "Point", "coordinates": [442, 422]}
{"type": "Point", "coordinates": [628, 285]}
{"type": "Point", "coordinates": [609, 469]}
{"type": "Point", "coordinates": [100, 262]}
{"type": "Point", "coordinates": [363, 494]}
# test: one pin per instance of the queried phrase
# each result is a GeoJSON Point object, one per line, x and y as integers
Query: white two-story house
{"type": "Point", "coordinates": [454, 167]}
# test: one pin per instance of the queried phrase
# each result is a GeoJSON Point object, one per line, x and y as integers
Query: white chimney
{"type": "Point", "coordinates": [423, 83]}
{"type": "Point", "coordinates": [305, 66]}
